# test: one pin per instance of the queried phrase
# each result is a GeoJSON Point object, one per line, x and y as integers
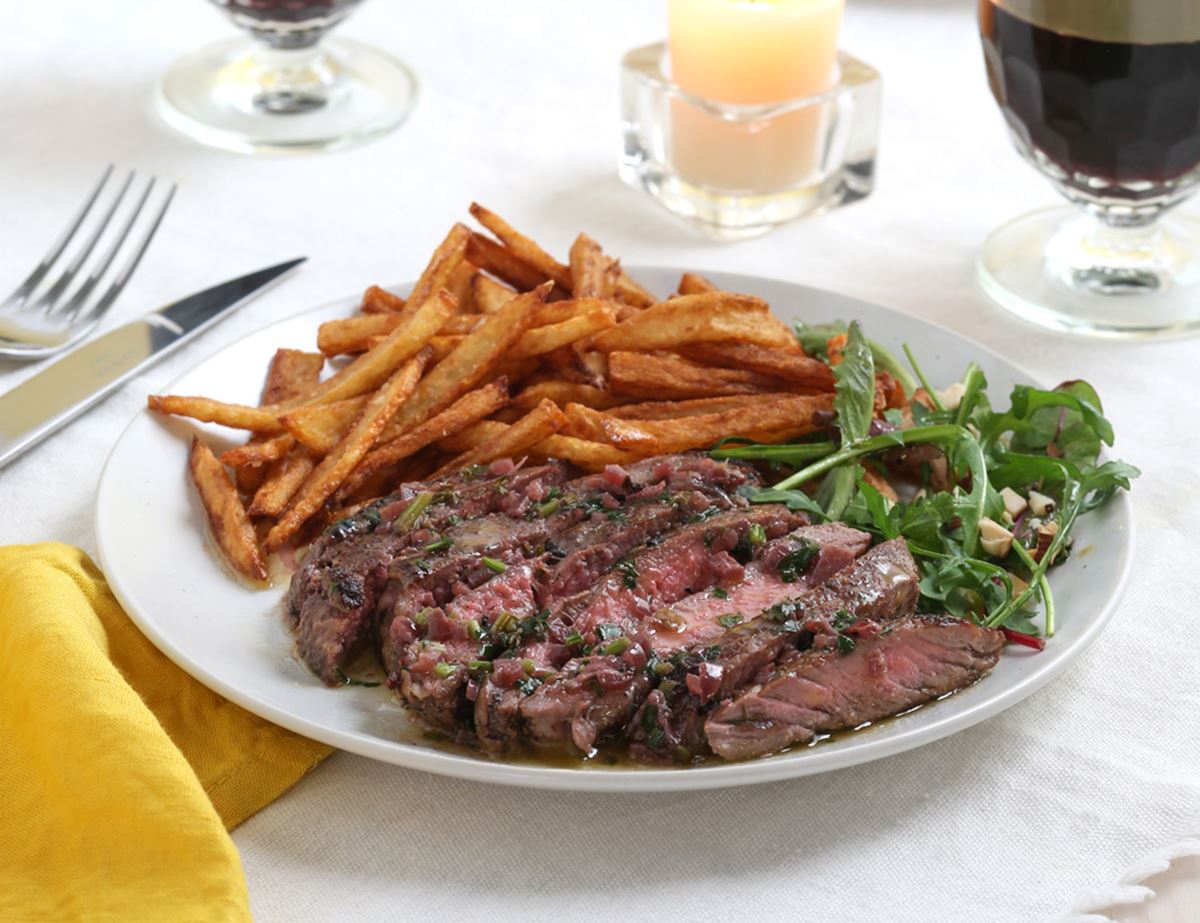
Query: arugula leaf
{"type": "Point", "coordinates": [815, 337]}
{"type": "Point", "coordinates": [796, 500]}
{"type": "Point", "coordinates": [1064, 423]}
{"type": "Point", "coordinates": [854, 402]}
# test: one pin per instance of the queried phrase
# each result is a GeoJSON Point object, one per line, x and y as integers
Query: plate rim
{"type": "Point", "coordinates": [648, 779]}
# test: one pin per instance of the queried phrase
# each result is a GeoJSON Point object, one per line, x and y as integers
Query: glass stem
{"type": "Point", "coordinates": [293, 80]}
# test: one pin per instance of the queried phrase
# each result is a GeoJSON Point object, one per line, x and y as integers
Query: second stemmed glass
{"type": "Point", "coordinates": [288, 89]}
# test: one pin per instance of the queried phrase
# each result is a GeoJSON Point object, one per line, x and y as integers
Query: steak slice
{"type": "Point", "coordinates": [597, 692]}
{"type": "Point", "coordinates": [903, 665]}
{"type": "Point", "coordinates": [882, 584]}
{"type": "Point", "coordinates": [332, 598]}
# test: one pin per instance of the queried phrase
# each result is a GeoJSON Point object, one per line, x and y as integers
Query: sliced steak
{"type": "Point", "coordinates": [332, 598]}
{"type": "Point", "coordinates": [882, 584]}
{"type": "Point", "coordinates": [597, 692]}
{"type": "Point", "coordinates": [905, 664]}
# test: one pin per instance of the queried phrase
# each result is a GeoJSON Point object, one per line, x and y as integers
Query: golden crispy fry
{"type": "Point", "coordinates": [283, 480]}
{"type": "Point", "coordinates": [470, 408]}
{"type": "Point", "coordinates": [586, 423]}
{"type": "Point", "coordinates": [473, 361]}
{"type": "Point", "coordinates": [461, 284]}
{"type": "Point", "coordinates": [565, 392]}
{"type": "Point", "coordinates": [546, 339]}
{"type": "Point", "coordinates": [692, 283]}
{"type": "Point", "coordinates": [778, 421]}
{"type": "Point", "coordinates": [633, 294]}
{"type": "Point", "coordinates": [460, 324]}
{"type": "Point", "coordinates": [695, 318]}
{"type": "Point", "coordinates": [320, 427]}
{"type": "Point", "coordinates": [673, 410]}
{"type": "Point", "coordinates": [555, 312]}
{"type": "Point", "coordinates": [470, 437]}
{"type": "Point", "coordinates": [372, 368]}
{"type": "Point", "coordinates": [378, 300]}
{"type": "Point", "coordinates": [337, 465]}
{"type": "Point", "coordinates": [354, 334]}
{"type": "Point", "coordinates": [784, 364]}
{"type": "Point", "coordinates": [540, 423]}
{"type": "Point", "coordinates": [523, 247]}
{"type": "Point", "coordinates": [258, 453]}
{"type": "Point", "coordinates": [440, 269]}
{"type": "Point", "coordinates": [593, 275]}
{"type": "Point", "coordinates": [661, 377]}
{"type": "Point", "coordinates": [231, 526]}
{"type": "Point", "coordinates": [590, 456]}
{"type": "Point", "coordinates": [291, 374]}
{"type": "Point", "coordinates": [237, 416]}
{"type": "Point", "coordinates": [503, 263]}
{"type": "Point", "coordinates": [880, 483]}
{"type": "Point", "coordinates": [514, 370]}
{"type": "Point", "coordinates": [489, 294]}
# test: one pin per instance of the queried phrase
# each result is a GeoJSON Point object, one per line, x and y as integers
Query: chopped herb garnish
{"type": "Point", "coordinates": [655, 738]}
{"type": "Point", "coordinates": [408, 519]}
{"type": "Point", "coordinates": [371, 515]}
{"type": "Point", "coordinates": [728, 621]}
{"type": "Point", "coordinates": [793, 565]}
{"type": "Point", "coordinates": [554, 549]}
{"type": "Point", "coordinates": [720, 593]}
{"type": "Point", "coordinates": [845, 644]}
{"type": "Point", "coordinates": [574, 639]}
{"type": "Point", "coordinates": [842, 619]}
{"type": "Point", "coordinates": [439, 544]}
{"type": "Point", "coordinates": [757, 534]}
{"type": "Point", "coordinates": [607, 632]}
{"type": "Point", "coordinates": [528, 684]}
{"type": "Point", "coordinates": [422, 617]}
{"type": "Point", "coordinates": [484, 666]}
{"type": "Point", "coordinates": [444, 669]}
{"type": "Point", "coordinates": [350, 681]}
{"type": "Point", "coordinates": [664, 667]}
{"type": "Point", "coordinates": [528, 666]}
{"type": "Point", "coordinates": [474, 632]}
{"type": "Point", "coordinates": [492, 564]}
{"type": "Point", "coordinates": [505, 623]}
{"type": "Point", "coordinates": [711, 653]}
{"type": "Point", "coordinates": [629, 573]}
{"type": "Point", "coordinates": [617, 646]}
{"type": "Point", "coordinates": [548, 508]}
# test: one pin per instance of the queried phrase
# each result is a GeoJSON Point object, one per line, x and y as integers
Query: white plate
{"type": "Point", "coordinates": [149, 529]}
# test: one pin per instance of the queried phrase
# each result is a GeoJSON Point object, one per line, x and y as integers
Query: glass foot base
{"type": "Point", "coordinates": [1061, 268]}
{"type": "Point", "coordinates": [241, 96]}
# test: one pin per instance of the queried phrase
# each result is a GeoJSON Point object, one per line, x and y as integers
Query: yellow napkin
{"type": "Point", "coordinates": [119, 774]}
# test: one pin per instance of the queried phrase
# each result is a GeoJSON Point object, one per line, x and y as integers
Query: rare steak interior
{"type": "Point", "coordinates": [650, 606]}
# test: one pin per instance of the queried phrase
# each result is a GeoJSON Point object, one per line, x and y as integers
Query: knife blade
{"type": "Point", "coordinates": [52, 398]}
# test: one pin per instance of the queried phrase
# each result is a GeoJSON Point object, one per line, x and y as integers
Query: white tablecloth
{"type": "Point", "coordinates": [1008, 821]}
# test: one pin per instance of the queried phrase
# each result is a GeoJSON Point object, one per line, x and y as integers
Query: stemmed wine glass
{"type": "Point", "coordinates": [287, 89]}
{"type": "Point", "coordinates": [1102, 96]}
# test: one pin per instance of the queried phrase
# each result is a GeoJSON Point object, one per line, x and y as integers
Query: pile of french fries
{"type": "Point", "coordinates": [499, 351]}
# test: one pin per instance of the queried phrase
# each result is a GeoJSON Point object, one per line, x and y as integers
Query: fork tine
{"type": "Point", "coordinates": [48, 300]}
{"type": "Point", "coordinates": [100, 308]}
{"type": "Point", "coordinates": [23, 291]}
{"type": "Point", "coordinates": [72, 308]}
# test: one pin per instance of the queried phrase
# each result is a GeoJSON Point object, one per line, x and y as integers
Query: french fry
{"type": "Point", "coordinates": [784, 364]}
{"type": "Point", "coordinates": [231, 526]}
{"type": "Point", "coordinates": [586, 423]}
{"type": "Point", "coordinates": [489, 294]}
{"type": "Point", "coordinates": [778, 421]}
{"type": "Point", "coordinates": [470, 437]}
{"type": "Point", "coordinates": [378, 300]}
{"type": "Point", "coordinates": [258, 453]}
{"type": "Point", "coordinates": [206, 410]}
{"type": "Point", "coordinates": [283, 480]}
{"type": "Point", "coordinates": [524, 248]}
{"type": "Point", "coordinates": [695, 318]}
{"type": "Point", "coordinates": [633, 294]}
{"type": "Point", "coordinates": [692, 283]}
{"type": "Point", "coordinates": [335, 467]}
{"type": "Point", "coordinates": [540, 340]}
{"type": "Point", "coordinates": [354, 334]}
{"type": "Point", "coordinates": [372, 368]}
{"type": "Point", "coordinates": [592, 273]}
{"type": "Point", "coordinates": [662, 377]}
{"type": "Point", "coordinates": [460, 324]}
{"type": "Point", "coordinates": [291, 374]}
{"type": "Point", "coordinates": [440, 269]}
{"type": "Point", "coordinates": [461, 284]}
{"type": "Point", "coordinates": [590, 456]}
{"type": "Point", "coordinates": [503, 263]}
{"type": "Point", "coordinates": [543, 421]}
{"type": "Point", "coordinates": [470, 363]}
{"type": "Point", "coordinates": [470, 408]}
{"type": "Point", "coordinates": [673, 410]}
{"type": "Point", "coordinates": [563, 393]}
{"type": "Point", "coordinates": [320, 427]}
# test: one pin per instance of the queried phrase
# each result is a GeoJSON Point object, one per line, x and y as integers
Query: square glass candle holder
{"type": "Point", "coordinates": [738, 171]}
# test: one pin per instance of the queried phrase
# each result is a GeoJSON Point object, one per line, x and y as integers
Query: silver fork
{"type": "Point", "coordinates": [36, 324]}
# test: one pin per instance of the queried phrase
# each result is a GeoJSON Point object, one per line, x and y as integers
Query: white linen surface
{"type": "Point", "coordinates": [1007, 821]}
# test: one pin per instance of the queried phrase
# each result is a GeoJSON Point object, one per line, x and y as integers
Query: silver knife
{"type": "Point", "coordinates": [52, 398]}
